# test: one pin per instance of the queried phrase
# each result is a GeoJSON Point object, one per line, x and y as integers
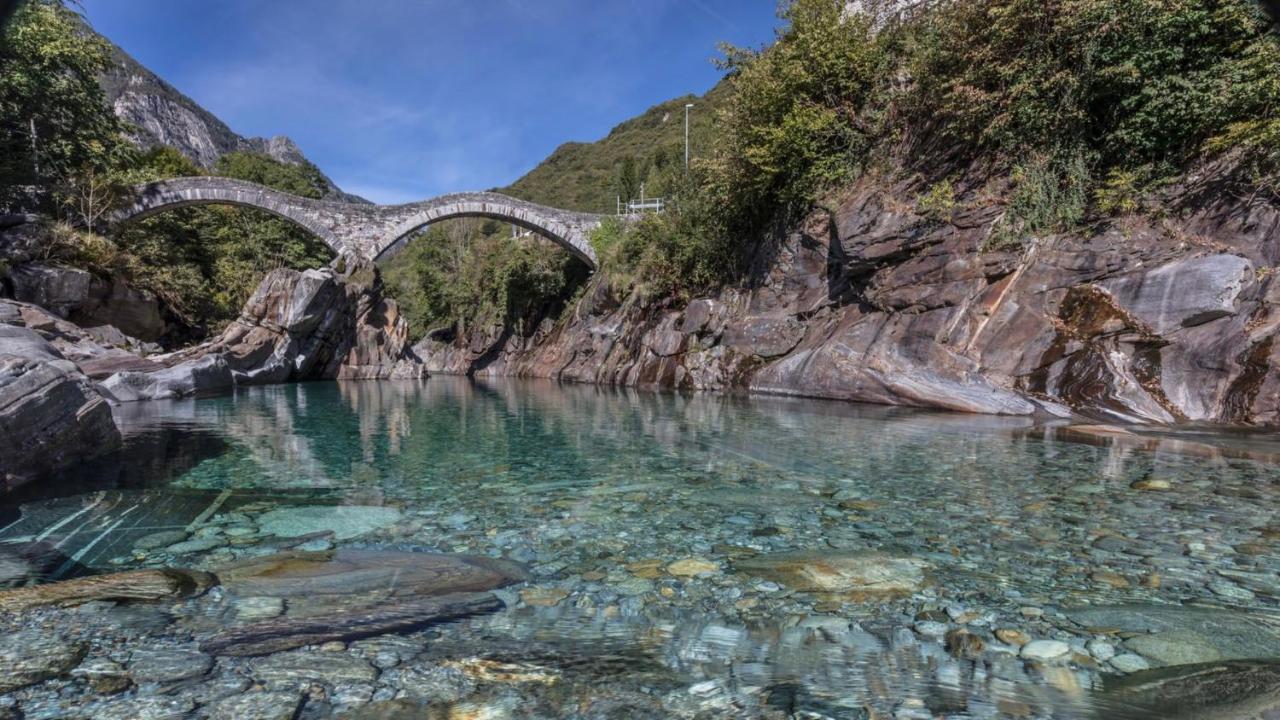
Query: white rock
{"type": "Point", "coordinates": [1045, 649]}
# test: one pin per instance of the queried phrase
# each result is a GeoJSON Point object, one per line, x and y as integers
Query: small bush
{"type": "Point", "coordinates": [938, 202]}
{"type": "Point", "coordinates": [1050, 194]}
{"type": "Point", "coordinates": [1120, 193]}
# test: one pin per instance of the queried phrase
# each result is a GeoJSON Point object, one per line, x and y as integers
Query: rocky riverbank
{"type": "Point", "coordinates": [1159, 317]}
{"type": "Point", "coordinates": [57, 378]}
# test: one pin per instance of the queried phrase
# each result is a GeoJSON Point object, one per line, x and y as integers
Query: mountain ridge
{"type": "Point", "coordinates": [157, 113]}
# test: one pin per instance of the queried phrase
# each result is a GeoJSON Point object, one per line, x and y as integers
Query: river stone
{"type": "Point", "coordinates": [1233, 634]}
{"type": "Point", "coordinates": [164, 665]}
{"type": "Point", "coordinates": [869, 573]}
{"type": "Point", "coordinates": [294, 668]}
{"type": "Point", "coordinates": [346, 521]}
{"type": "Point", "coordinates": [1177, 647]}
{"type": "Point", "coordinates": [258, 608]}
{"type": "Point", "coordinates": [160, 539]}
{"type": "Point", "coordinates": [31, 656]}
{"type": "Point", "coordinates": [692, 567]}
{"type": "Point", "coordinates": [195, 545]}
{"type": "Point", "coordinates": [1045, 649]}
{"type": "Point", "coordinates": [256, 706]}
{"type": "Point", "coordinates": [369, 575]}
{"type": "Point", "coordinates": [434, 682]}
{"type": "Point", "coordinates": [1236, 690]}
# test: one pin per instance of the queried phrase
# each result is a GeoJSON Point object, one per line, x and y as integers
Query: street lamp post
{"type": "Point", "coordinates": [687, 106]}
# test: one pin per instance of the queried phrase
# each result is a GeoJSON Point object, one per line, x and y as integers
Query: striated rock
{"type": "Point", "coordinates": [164, 665]}
{"type": "Point", "coordinates": [50, 415]}
{"type": "Point", "coordinates": [1178, 647]}
{"type": "Point", "coordinates": [345, 521]}
{"type": "Point", "coordinates": [1238, 690]}
{"type": "Point", "coordinates": [1125, 321]}
{"type": "Point", "coordinates": [294, 668]}
{"type": "Point", "coordinates": [58, 289]}
{"type": "Point", "coordinates": [256, 706]}
{"type": "Point", "coordinates": [208, 375]}
{"type": "Point", "coordinates": [87, 300]}
{"type": "Point", "coordinates": [765, 337]}
{"type": "Point", "coordinates": [132, 585]}
{"type": "Point", "coordinates": [30, 656]}
{"type": "Point", "coordinates": [1183, 293]}
{"type": "Point", "coordinates": [1181, 634]}
{"type": "Point", "coordinates": [376, 574]}
{"type": "Point", "coordinates": [865, 573]}
{"type": "Point", "coordinates": [333, 323]}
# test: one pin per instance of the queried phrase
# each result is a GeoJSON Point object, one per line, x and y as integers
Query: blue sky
{"type": "Point", "coordinates": [398, 100]}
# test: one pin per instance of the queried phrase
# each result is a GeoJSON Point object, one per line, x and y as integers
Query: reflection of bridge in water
{"type": "Point", "coordinates": [360, 229]}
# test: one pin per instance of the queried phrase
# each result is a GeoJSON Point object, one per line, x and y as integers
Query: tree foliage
{"type": "Point", "coordinates": [802, 118]}
{"type": "Point", "coordinates": [49, 67]}
{"type": "Point", "coordinates": [463, 274]}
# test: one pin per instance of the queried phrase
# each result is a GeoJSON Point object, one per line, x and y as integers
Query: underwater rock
{"type": "Point", "coordinates": [866, 573]}
{"type": "Point", "coordinates": [346, 521]}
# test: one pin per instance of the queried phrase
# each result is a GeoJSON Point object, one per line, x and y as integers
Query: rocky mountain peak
{"type": "Point", "coordinates": [159, 114]}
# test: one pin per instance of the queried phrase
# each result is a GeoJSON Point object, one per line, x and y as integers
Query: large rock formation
{"type": "Point", "coordinates": [51, 416]}
{"type": "Point", "coordinates": [89, 300]}
{"type": "Point", "coordinates": [1149, 319]}
{"type": "Point", "coordinates": [332, 323]}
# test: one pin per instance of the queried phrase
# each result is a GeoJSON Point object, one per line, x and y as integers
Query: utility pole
{"type": "Point", "coordinates": [687, 106]}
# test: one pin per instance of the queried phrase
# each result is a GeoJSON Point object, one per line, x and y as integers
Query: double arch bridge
{"type": "Point", "coordinates": [364, 230]}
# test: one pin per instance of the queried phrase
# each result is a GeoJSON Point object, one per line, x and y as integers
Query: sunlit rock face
{"type": "Point", "coordinates": [1131, 319]}
{"type": "Point", "coordinates": [332, 323]}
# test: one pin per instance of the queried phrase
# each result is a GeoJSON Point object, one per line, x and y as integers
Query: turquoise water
{"type": "Point", "coordinates": [597, 491]}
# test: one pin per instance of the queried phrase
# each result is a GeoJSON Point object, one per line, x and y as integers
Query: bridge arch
{"type": "Point", "coordinates": [157, 197]}
{"type": "Point", "coordinates": [565, 229]}
{"type": "Point", "coordinates": [364, 229]}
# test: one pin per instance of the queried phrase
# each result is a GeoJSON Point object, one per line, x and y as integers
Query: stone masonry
{"type": "Point", "coordinates": [365, 230]}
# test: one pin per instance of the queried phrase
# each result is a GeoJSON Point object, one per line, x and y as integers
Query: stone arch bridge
{"type": "Point", "coordinates": [365, 230]}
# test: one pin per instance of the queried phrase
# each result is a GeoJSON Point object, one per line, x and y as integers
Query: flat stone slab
{"type": "Point", "coordinates": [369, 574]}
{"type": "Point", "coordinates": [1183, 634]}
{"type": "Point", "coordinates": [165, 665]}
{"type": "Point", "coordinates": [256, 706]}
{"type": "Point", "coordinates": [346, 521]}
{"type": "Point", "coordinates": [1210, 691]}
{"type": "Point", "coordinates": [860, 573]}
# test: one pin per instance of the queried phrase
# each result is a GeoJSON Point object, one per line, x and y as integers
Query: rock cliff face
{"type": "Point", "coordinates": [89, 300]}
{"type": "Point", "coordinates": [1140, 319]}
{"type": "Point", "coordinates": [332, 323]}
{"type": "Point", "coordinates": [51, 416]}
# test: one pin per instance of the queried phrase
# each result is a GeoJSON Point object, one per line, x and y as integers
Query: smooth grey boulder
{"type": "Point", "coordinates": [51, 417]}
{"type": "Point", "coordinates": [1184, 293]}
{"type": "Point", "coordinates": [206, 375]}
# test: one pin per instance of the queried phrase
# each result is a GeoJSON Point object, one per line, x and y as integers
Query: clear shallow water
{"type": "Point", "coordinates": [598, 490]}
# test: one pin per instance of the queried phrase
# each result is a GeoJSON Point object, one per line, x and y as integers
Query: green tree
{"type": "Point", "coordinates": [54, 121]}
{"type": "Point", "coordinates": [802, 117]}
